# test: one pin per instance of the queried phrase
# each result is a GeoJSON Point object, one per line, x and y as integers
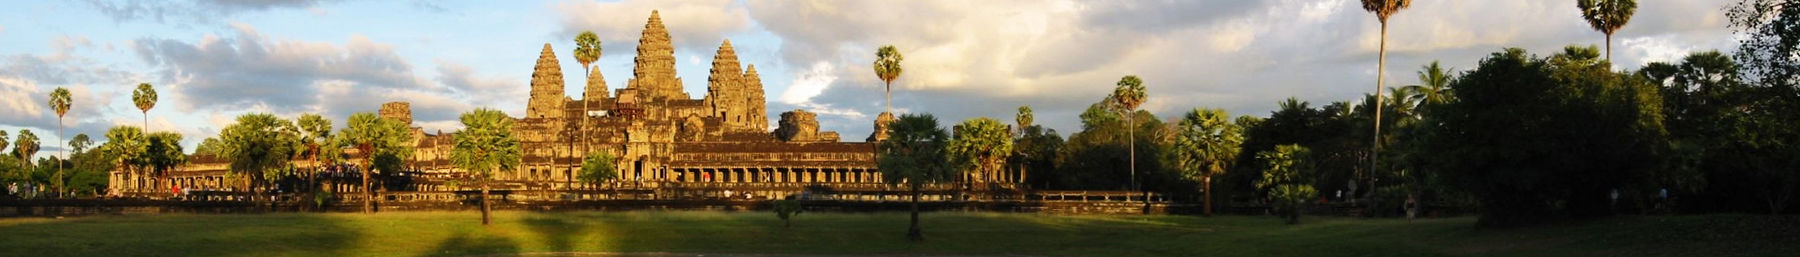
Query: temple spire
{"type": "Point", "coordinates": [546, 87]}
{"type": "Point", "coordinates": [654, 73]}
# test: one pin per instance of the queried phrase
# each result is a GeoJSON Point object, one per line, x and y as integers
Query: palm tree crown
{"type": "Point", "coordinates": [1607, 16]}
{"type": "Point", "coordinates": [145, 98]}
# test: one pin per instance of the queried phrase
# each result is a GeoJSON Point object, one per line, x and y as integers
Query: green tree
{"type": "Point", "coordinates": [979, 148]}
{"type": "Point", "coordinates": [1607, 16]}
{"type": "Point", "coordinates": [484, 147]}
{"type": "Point", "coordinates": [208, 146]}
{"type": "Point", "coordinates": [1383, 9]}
{"type": "Point", "coordinates": [1527, 132]}
{"type": "Point", "coordinates": [126, 144]}
{"type": "Point", "coordinates": [145, 98]}
{"type": "Point", "coordinates": [59, 101]}
{"type": "Point", "coordinates": [382, 142]}
{"type": "Point", "coordinates": [786, 209]}
{"type": "Point", "coordinates": [25, 146]}
{"type": "Point", "coordinates": [1206, 144]}
{"type": "Point", "coordinates": [1127, 96]}
{"type": "Point", "coordinates": [587, 49]}
{"type": "Point", "coordinates": [1024, 117]}
{"type": "Point", "coordinates": [1768, 33]}
{"type": "Point", "coordinates": [598, 167]}
{"type": "Point", "coordinates": [1433, 88]}
{"type": "Point", "coordinates": [887, 68]}
{"type": "Point", "coordinates": [914, 154]}
{"type": "Point", "coordinates": [260, 146]}
{"type": "Point", "coordinates": [315, 135]}
{"type": "Point", "coordinates": [1288, 179]}
{"type": "Point", "coordinates": [80, 143]}
{"type": "Point", "coordinates": [162, 153]}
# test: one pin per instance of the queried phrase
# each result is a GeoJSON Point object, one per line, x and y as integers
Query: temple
{"type": "Point", "coordinates": [662, 138]}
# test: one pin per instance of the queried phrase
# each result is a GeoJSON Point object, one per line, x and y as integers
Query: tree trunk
{"type": "Point", "coordinates": [1375, 144]}
{"type": "Point", "coordinates": [889, 96]}
{"type": "Point", "coordinates": [59, 183]}
{"type": "Point", "coordinates": [368, 203]}
{"type": "Point", "coordinates": [1207, 206]}
{"type": "Point", "coordinates": [913, 233]}
{"type": "Point", "coordinates": [1609, 47]}
{"type": "Point", "coordinates": [485, 207]}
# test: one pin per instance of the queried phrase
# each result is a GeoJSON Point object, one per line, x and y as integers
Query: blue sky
{"type": "Point", "coordinates": [212, 60]}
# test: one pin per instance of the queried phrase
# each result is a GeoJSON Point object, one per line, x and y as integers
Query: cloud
{"type": "Point", "coordinates": [694, 25]}
{"type": "Point", "coordinates": [192, 11]}
{"type": "Point", "coordinates": [984, 58]}
{"type": "Point", "coordinates": [252, 69]}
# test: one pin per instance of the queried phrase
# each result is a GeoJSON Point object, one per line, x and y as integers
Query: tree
{"type": "Point", "coordinates": [208, 146]}
{"type": "Point", "coordinates": [1768, 33]}
{"type": "Point", "coordinates": [127, 144]}
{"type": "Point", "coordinates": [1383, 9]}
{"type": "Point", "coordinates": [1607, 16]}
{"type": "Point", "coordinates": [1025, 117]}
{"type": "Point", "coordinates": [887, 68]}
{"type": "Point", "coordinates": [1206, 143]}
{"type": "Point", "coordinates": [80, 143]}
{"type": "Point", "coordinates": [1433, 88]}
{"type": "Point", "coordinates": [162, 153]}
{"type": "Point", "coordinates": [1288, 179]}
{"type": "Point", "coordinates": [1128, 95]}
{"type": "Point", "coordinates": [59, 101]}
{"type": "Point", "coordinates": [587, 49]}
{"type": "Point", "coordinates": [25, 146]}
{"type": "Point", "coordinates": [598, 167]}
{"type": "Point", "coordinates": [315, 135]}
{"type": "Point", "coordinates": [1537, 139]}
{"type": "Point", "coordinates": [914, 154]}
{"type": "Point", "coordinates": [260, 146]}
{"type": "Point", "coordinates": [145, 98]}
{"type": "Point", "coordinates": [979, 147]}
{"type": "Point", "coordinates": [484, 147]}
{"type": "Point", "coordinates": [786, 209]}
{"type": "Point", "coordinates": [382, 143]}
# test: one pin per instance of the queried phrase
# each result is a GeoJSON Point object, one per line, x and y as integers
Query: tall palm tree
{"type": "Point", "coordinates": [887, 68]}
{"type": "Point", "coordinates": [59, 101]}
{"type": "Point", "coordinates": [1382, 9]}
{"type": "Point", "coordinates": [587, 49]}
{"type": "Point", "coordinates": [145, 98]}
{"type": "Point", "coordinates": [1607, 16]}
{"type": "Point", "coordinates": [25, 147]}
{"type": "Point", "coordinates": [1128, 95]}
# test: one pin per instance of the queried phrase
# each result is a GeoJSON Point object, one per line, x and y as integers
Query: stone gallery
{"type": "Point", "coordinates": [665, 142]}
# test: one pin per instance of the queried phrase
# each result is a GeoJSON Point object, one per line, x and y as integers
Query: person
{"type": "Point", "coordinates": [1412, 208]}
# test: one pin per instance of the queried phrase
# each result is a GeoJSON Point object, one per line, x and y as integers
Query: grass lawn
{"type": "Point", "coordinates": [842, 234]}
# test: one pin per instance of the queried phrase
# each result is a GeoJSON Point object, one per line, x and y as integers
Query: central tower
{"type": "Point", "coordinates": [654, 73]}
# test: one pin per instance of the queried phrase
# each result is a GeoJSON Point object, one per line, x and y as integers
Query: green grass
{"type": "Point", "coordinates": [713, 233]}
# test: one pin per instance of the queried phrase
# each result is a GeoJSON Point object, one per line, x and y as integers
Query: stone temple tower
{"type": "Point", "coordinates": [758, 117]}
{"type": "Point", "coordinates": [546, 87]}
{"type": "Point", "coordinates": [654, 73]}
{"type": "Point", "coordinates": [725, 90]}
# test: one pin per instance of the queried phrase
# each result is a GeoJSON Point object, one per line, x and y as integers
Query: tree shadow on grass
{"type": "Point", "coordinates": [465, 243]}
{"type": "Point", "coordinates": [556, 232]}
{"type": "Point", "coordinates": [179, 235]}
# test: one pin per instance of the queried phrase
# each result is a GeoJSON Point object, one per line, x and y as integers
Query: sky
{"type": "Point", "coordinates": [212, 60]}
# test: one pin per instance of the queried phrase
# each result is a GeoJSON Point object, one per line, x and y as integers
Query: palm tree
{"type": "Point", "coordinates": [315, 133]}
{"type": "Point", "coordinates": [484, 147]}
{"type": "Point", "coordinates": [1382, 9]}
{"type": "Point", "coordinates": [1025, 117]}
{"type": "Point", "coordinates": [376, 136]}
{"type": "Point", "coordinates": [59, 101]}
{"type": "Point", "coordinates": [128, 143]}
{"type": "Point", "coordinates": [1434, 87]}
{"type": "Point", "coordinates": [914, 154]}
{"type": "Point", "coordinates": [887, 68]}
{"type": "Point", "coordinates": [1607, 16]}
{"type": "Point", "coordinates": [587, 49]}
{"type": "Point", "coordinates": [1206, 144]}
{"type": "Point", "coordinates": [145, 98]}
{"type": "Point", "coordinates": [1128, 95]}
{"type": "Point", "coordinates": [25, 147]}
